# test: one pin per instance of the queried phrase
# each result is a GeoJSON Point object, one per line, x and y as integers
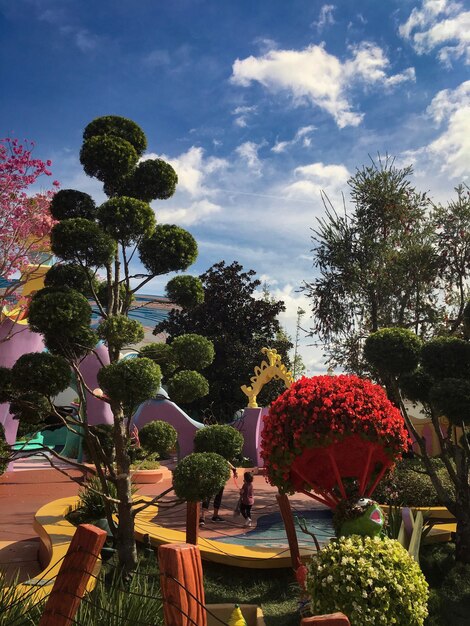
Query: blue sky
{"type": "Point", "coordinates": [258, 104]}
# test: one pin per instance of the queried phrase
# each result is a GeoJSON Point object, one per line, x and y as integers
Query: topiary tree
{"type": "Point", "coordinates": [220, 439]}
{"type": "Point", "coordinates": [158, 437]}
{"type": "Point", "coordinates": [180, 362]}
{"type": "Point", "coordinates": [370, 580]}
{"type": "Point", "coordinates": [442, 384]}
{"type": "Point", "coordinates": [97, 248]}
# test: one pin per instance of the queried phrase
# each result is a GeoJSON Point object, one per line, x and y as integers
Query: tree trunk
{"type": "Point", "coordinates": [126, 546]}
{"type": "Point", "coordinates": [462, 537]}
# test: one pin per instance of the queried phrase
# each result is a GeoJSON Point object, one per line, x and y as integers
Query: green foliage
{"type": "Point", "coordinates": [149, 462]}
{"type": "Point", "coordinates": [416, 385]}
{"type": "Point", "coordinates": [120, 331]}
{"type": "Point", "coordinates": [30, 408]}
{"type": "Point", "coordinates": [162, 354]}
{"type": "Point", "coordinates": [82, 241]}
{"type": "Point", "coordinates": [107, 158]}
{"type": "Point", "coordinates": [451, 396]}
{"type": "Point", "coordinates": [102, 294]}
{"type": "Point", "coordinates": [185, 291]}
{"type": "Point", "coordinates": [104, 434]}
{"type": "Point", "coordinates": [393, 350]}
{"type": "Point", "coordinates": [169, 249]}
{"type": "Point", "coordinates": [371, 580]}
{"type": "Point", "coordinates": [151, 179]}
{"type": "Point", "coordinates": [4, 454]}
{"type": "Point", "coordinates": [126, 219]}
{"type": "Point", "coordinates": [6, 382]}
{"type": "Point", "coordinates": [200, 475]}
{"type": "Point", "coordinates": [117, 601]}
{"type": "Point", "coordinates": [221, 439]}
{"type": "Point", "coordinates": [195, 352]}
{"type": "Point", "coordinates": [239, 324]}
{"type": "Point", "coordinates": [59, 312]}
{"type": "Point", "coordinates": [436, 561]}
{"type": "Point", "coordinates": [41, 372]}
{"type": "Point", "coordinates": [16, 609]}
{"type": "Point", "coordinates": [130, 382]}
{"type": "Point", "coordinates": [90, 499]}
{"type": "Point", "coordinates": [69, 203]}
{"type": "Point", "coordinates": [71, 275]}
{"type": "Point", "coordinates": [186, 386]}
{"type": "Point", "coordinates": [410, 485]}
{"type": "Point", "coordinates": [116, 126]}
{"type": "Point", "coordinates": [446, 357]}
{"type": "Point", "coordinates": [455, 592]}
{"type": "Point", "coordinates": [466, 319]}
{"type": "Point", "coordinates": [158, 437]}
{"type": "Point", "coordinates": [72, 344]}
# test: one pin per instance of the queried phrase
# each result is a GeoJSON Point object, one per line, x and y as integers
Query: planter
{"type": "Point", "coordinates": [144, 477]}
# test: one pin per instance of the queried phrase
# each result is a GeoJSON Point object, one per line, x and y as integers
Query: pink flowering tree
{"type": "Point", "coordinates": [25, 220]}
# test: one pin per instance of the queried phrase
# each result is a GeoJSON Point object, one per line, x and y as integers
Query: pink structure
{"type": "Point", "coordinates": [21, 340]}
{"type": "Point", "coordinates": [251, 425]}
{"type": "Point", "coordinates": [98, 412]}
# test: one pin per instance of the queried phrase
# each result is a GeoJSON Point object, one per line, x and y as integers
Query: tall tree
{"type": "Point", "coordinates": [239, 324]}
{"type": "Point", "coordinates": [25, 219]}
{"type": "Point", "coordinates": [377, 264]}
{"type": "Point", "coordinates": [86, 239]}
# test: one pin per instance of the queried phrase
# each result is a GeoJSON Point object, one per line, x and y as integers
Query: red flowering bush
{"type": "Point", "coordinates": [330, 436]}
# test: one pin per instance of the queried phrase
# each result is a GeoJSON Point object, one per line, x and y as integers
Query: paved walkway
{"type": "Point", "coordinates": [33, 483]}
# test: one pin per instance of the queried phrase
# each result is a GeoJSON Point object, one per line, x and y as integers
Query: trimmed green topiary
{"type": "Point", "coordinates": [30, 408]}
{"type": "Point", "coordinates": [446, 357]}
{"type": "Point", "coordinates": [71, 275]}
{"type": "Point", "coordinates": [451, 396]}
{"type": "Point", "coordinates": [108, 158]}
{"type": "Point", "coordinates": [194, 351]}
{"type": "Point", "coordinates": [185, 291]}
{"type": "Point", "coordinates": [58, 312]}
{"type": "Point", "coordinates": [393, 350]}
{"type": "Point", "coordinates": [71, 344]}
{"type": "Point", "coordinates": [221, 439]}
{"type": "Point", "coordinates": [162, 354]}
{"type": "Point", "coordinates": [6, 384]}
{"type": "Point", "coordinates": [117, 126]}
{"type": "Point", "coordinates": [158, 437]}
{"type": "Point", "coordinates": [80, 240]}
{"type": "Point", "coordinates": [371, 580]}
{"type": "Point", "coordinates": [186, 386]}
{"type": "Point", "coordinates": [169, 249]}
{"type": "Point", "coordinates": [126, 219]}
{"type": "Point", "coordinates": [41, 372]}
{"type": "Point", "coordinates": [131, 382]}
{"type": "Point", "coordinates": [120, 331]}
{"type": "Point", "coordinates": [151, 179]}
{"type": "Point", "coordinates": [455, 594]}
{"type": "Point", "coordinates": [199, 476]}
{"type": "Point", "coordinates": [69, 203]}
{"type": "Point", "coordinates": [416, 385]}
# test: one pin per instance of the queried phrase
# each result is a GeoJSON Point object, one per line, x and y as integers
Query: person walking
{"type": "Point", "coordinates": [217, 502]}
{"type": "Point", "coordinates": [247, 498]}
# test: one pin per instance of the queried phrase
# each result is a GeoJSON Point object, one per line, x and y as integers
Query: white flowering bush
{"type": "Point", "coordinates": [372, 580]}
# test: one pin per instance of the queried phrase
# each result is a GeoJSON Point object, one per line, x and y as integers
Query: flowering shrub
{"type": "Point", "coordinates": [371, 580]}
{"type": "Point", "coordinates": [329, 426]}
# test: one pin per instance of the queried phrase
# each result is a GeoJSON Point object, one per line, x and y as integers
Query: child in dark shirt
{"type": "Point", "coordinates": [246, 497]}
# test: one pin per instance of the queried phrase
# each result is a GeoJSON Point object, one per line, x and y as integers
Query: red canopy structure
{"type": "Point", "coordinates": [330, 437]}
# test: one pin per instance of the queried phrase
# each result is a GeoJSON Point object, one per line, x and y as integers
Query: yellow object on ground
{"type": "Point", "coordinates": [237, 619]}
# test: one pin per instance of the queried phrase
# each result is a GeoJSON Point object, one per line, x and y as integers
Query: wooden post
{"type": "Point", "coordinates": [71, 581]}
{"type": "Point", "coordinates": [288, 519]}
{"type": "Point", "coordinates": [182, 585]}
{"type": "Point", "coordinates": [334, 619]}
{"type": "Point", "coordinates": [192, 522]}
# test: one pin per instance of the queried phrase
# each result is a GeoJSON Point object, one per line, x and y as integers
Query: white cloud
{"type": "Point", "coordinates": [248, 151]}
{"type": "Point", "coordinates": [313, 76]}
{"type": "Point", "coordinates": [316, 178]}
{"type": "Point", "coordinates": [193, 170]}
{"type": "Point", "coordinates": [301, 136]}
{"type": "Point", "coordinates": [242, 113]}
{"type": "Point", "coordinates": [325, 18]}
{"type": "Point", "coordinates": [194, 213]}
{"type": "Point", "coordinates": [449, 152]}
{"type": "Point", "coordinates": [436, 23]}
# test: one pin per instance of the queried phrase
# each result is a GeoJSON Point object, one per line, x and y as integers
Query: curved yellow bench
{"type": "Point", "coordinates": [55, 534]}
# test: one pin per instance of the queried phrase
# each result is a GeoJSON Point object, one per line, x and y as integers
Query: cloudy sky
{"type": "Point", "coordinates": [258, 104]}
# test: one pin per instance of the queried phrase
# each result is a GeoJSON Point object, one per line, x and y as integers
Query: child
{"type": "Point", "coordinates": [246, 497]}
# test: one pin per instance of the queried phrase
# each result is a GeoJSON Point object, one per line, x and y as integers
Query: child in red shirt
{"type": "Point", "coordinates": [246, 497]}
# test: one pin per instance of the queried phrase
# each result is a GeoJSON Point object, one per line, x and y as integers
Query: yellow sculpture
{"type": "Point", "coordinates": [267, 371]}
{"type": "Point", "coordinates": [236, 618]}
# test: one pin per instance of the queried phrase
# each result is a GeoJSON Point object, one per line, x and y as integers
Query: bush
{"type": "Point", "coordinates": [91, 502]}
{"type": "Point", "coordinates": [159, 437]}
{"type": "Point", "coordinates": [186, 386]}
{"type": "Point", "coordinates": [455, 593]}
{"type": "Point", "coordinates": [371, 580]}
{"type": "Point", "coordinates": [221, 439]}
{"type": "Point", "coordinates": [410, 485]}
{"type": "Point", "coordinates": [394, 350]}
{"type": "Point", "coordinates": [436, 561]}
{"type": "Point", "coordinates": [199, 476]}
